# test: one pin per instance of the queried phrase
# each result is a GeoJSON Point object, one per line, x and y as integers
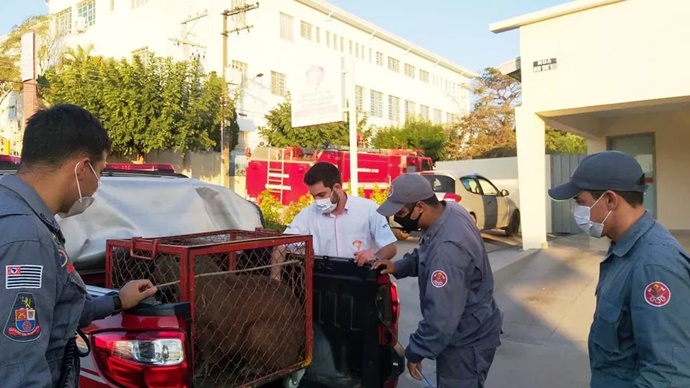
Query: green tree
{"type": "Point", "coordinates": [488, 131]}
{"type": "Point", "coordinates": [279, 132]}
{"type": "Point", "coordinates": [415, 134]}
{"type": "Point", "coordinates": [159, 104]}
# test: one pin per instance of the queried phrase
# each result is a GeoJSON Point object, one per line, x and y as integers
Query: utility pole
{"type": "Point", "coordinates": [224, 151]}
{"type": "Point", "coordinates": [185, 42]}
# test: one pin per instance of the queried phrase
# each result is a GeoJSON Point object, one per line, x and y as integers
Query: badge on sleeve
{"type": "Point", "coordinates": [65, 261]}
{"type": "Point", "coordinates": [439, 279]}
{"type": "Point", "coordinates": [23, 276]}
{"type": "Point", "coordinates": [22, 322]}
{"type": "Point", "coordinates": [657, 294]}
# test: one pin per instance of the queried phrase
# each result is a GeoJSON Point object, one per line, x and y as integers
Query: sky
{"type": "Point", "coordinates": [455, 29]}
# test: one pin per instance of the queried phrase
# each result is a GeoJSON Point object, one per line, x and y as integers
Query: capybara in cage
{"type": "Point", "coordinates": [247, 324]}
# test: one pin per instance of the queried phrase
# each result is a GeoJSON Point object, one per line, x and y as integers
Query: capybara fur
{"type": "Point", "coordinates": [244, 321]}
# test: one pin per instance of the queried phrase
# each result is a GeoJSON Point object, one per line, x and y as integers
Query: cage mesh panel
{"type": "Point", "coordinates": [247, 326]}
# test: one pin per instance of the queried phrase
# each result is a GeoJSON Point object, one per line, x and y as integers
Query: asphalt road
{"type": "Point", "coordinates": [409, 298]}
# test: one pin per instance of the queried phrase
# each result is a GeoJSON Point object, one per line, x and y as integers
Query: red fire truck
{"type": "Point", "coordinates": [281, 170]}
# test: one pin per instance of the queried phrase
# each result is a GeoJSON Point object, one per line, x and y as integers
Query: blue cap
{"type": "Point", "coordinates": [407, 188]}
{"type": "Point", "coordinates": [602, 171]}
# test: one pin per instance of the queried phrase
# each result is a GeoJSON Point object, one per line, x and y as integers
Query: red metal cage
{"type": "Point", "coordinates": [250, 294]}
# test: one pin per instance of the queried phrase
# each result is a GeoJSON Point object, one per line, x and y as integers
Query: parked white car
{"type": "Point", "coordinates": [490, 207]}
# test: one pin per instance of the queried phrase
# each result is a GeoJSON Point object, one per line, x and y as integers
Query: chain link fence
{"type": "Point", "coordinates": [250, 294]}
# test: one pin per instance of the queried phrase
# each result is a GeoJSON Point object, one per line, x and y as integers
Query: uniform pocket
{"type": "Point", "coordinates": [13, 375]}
{"type": "Point", "coordinates": [606, 323]}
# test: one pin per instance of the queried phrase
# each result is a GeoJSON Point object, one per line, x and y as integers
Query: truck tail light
{"type": "Point", "coordinates": [396, 302]}
{"type": "Point", "coordinates": [452, 197]}
{"type": "Point", "coordinates": [147, 359]}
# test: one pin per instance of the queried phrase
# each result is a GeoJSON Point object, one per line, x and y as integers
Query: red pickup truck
{"type": "Point", "coordinates": [349, 313]}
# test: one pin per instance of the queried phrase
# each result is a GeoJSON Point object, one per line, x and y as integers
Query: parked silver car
{"type": "Point", "coordinates": [490, 207]}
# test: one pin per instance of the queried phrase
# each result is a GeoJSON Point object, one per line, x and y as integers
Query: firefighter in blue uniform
{"type": "Point", "coordinates": [43, 301]}
{"type": "Point", "coordinates": [461, 323]}
{"type": "Point", "coordinates": [640, 335]}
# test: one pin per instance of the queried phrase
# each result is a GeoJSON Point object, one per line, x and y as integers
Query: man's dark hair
{"type": "Point", "coordinates": [633, 198]}
{"type": "Point", "coordinates": [323, 172]}
{"type": "Point", "coordinates": [55, 134]}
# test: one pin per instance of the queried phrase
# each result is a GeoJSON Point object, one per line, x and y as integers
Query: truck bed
{"type": "Point", "coordinates": [353, 318]}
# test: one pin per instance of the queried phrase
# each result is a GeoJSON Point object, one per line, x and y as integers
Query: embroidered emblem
{"type": "Point", "coordinates": [657, 294]}
{"type": "Point", "coordinates": [22, 322]}
{"type": "Point", "coordinates": [439, 279]}
{"type": "Point", "coordinates": [357, 245]}
{"type": "Point", "coordinates": [390, 190]}
{"type": "Point", "coordinates": [65, 261]}
{"type": "Point", "coordinates": [23, 276]}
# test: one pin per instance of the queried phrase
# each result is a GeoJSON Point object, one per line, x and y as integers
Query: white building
{"type": "Point", "coordinates": [394, 77]}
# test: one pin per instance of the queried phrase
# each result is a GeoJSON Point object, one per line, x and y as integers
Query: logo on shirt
{"type": "Point", "coordinates": [439, 279]}
{"type": "Point", "coordinates": [657, 294]}
{"type": "Point", "coordinates": [357, 245]}
{"type": "Point", "coordinates": [65, 262]}
{"type": "Point", "coordinates": [22, 322]}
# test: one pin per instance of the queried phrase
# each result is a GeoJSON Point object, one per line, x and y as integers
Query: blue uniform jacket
{"type": "Point", "coordinates": [640, 336]}
{"type": "Point", "coordinates": [42, 298]}
{"type": "Point", "coordinates": [455, 287]}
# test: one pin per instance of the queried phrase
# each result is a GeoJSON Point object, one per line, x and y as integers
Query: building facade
{"type": "Point", "coordinates": [394, 78]}
{"type": "Point", "coordinates": [618, 99]}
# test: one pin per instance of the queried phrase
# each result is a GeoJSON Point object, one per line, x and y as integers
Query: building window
{"type": "Point", "coordinates": [437, 116]}
{"type": "Point", "coordinates": [379, 58]}
{"type": "Point", "coordinates": [240, 18]}
{"type": "Point", "coordinates": [450, 117]}
{"type": "Point", "coordinates": [278, 84]}
{"type": "Point", "coordinates": [424, 76]}
{"type": "Point", "coordinates": [410, 109]}
{"type": "Point", "coordinates": [138, 3]}
{"type": "Point", "coordinates": [342, 44]}
{"type": "Point", "coordinates": [87, 11]}
{"type": "Point", "coordinates": [335, 41]}
{"type": "Point", "coordinates": [371, 55]}
{"type": "Point", "coordinates": [287, 27]}
{"type": "Point", "coordinates": [393, 64]}
{"type": "Point", "coordinates": [142, 54]}
{"type": "Point", "coordinates": [394, 108]}
{"type": "Point", "coordinates": [376, 104]}
{"type": "Point", "coordinates": [357, 50]}
{"type": "Point", "coordinates": [352, 49]}
{"type": "Point", "coordinates": [305, 30]}
{"type": "Point", "coordinates": [63, 22]}
{"type": "Point", "coordinates": [409, 70]}
{"type": "Point", "coordinates": [112, 5]}
{"type": "Point", "coordinates": [424, 112]}
{"type": "Point", "coordinates": [328, 39]}
{"type": "Point", "coordinates": [241, 69]}
{"type": "Point", "coordinates": [359, 98]}
{"type": "Point", "coordinates": [317, 35]}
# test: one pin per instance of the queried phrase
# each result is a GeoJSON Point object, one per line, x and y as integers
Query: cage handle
{"type": "Point", "coordinates": [154, 249]}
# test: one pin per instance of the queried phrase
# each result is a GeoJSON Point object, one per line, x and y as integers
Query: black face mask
{"type": "Point", "coordinates": [407, 223]}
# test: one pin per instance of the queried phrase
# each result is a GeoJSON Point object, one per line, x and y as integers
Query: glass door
{"type": "Point", "coordinates": [642, 148]}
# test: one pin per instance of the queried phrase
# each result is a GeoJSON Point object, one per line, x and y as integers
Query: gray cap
{"type": "Point", "coordinates": [607, 170]}
{"type": "Point", "coordinates": [407, 188]}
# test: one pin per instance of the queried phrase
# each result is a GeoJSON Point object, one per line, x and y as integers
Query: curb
{"type": "Point", "coordinates": [507, 263]}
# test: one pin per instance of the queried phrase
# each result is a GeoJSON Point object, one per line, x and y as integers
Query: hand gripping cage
{"type": "Point", "coordinates": [247, 327]}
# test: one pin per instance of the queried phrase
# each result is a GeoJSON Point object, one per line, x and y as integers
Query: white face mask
{"type": "Point", "coordinates": [326, 205]}
{"type": "Point", "coordinates": [582, 216]}
{"type": "Point", "coordinates": [83, 202]}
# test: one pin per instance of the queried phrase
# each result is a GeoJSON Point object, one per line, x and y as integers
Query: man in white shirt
{"type": "Point", "coordinates": [341, 225]}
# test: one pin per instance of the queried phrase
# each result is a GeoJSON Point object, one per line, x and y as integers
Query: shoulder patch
{"type": "Point", "coordinates": [657, 294]}
{"type": "Point", "coordinates": [23, 276]}
{"type": "Point", "coordinates": [65, 261]}
{"type": "Point", "coordinates": [439, 279]}
{"type": "Point", "coordinates": [22, 321]}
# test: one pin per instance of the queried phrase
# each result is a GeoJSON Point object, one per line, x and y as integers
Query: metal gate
{"type": "Point", "coordinates": [562, 167]}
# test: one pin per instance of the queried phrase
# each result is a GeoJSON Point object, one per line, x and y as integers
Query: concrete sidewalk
{"type": "Point", "coordinates": [547, 297]}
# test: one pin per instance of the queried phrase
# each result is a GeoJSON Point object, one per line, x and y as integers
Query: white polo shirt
{"type": "Point", "coordinates": [359, 227]}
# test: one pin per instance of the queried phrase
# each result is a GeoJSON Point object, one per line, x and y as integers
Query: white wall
{"type": "Point", "coordinates": [607, 55]}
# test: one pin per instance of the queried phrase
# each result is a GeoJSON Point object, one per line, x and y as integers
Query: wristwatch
{"type": "Point", "coordinates": [117, 303]}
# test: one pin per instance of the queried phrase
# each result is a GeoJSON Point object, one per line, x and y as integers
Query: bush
{"type": "Point", "coordinates": [377, 195]}
{"type": "Point", "coordinates": [271, 208]}
{"type": "Point", "coordinates": [295, 207]}
{"type": "Point", "coordinates": [360, 190]}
